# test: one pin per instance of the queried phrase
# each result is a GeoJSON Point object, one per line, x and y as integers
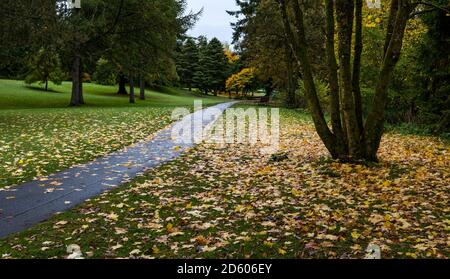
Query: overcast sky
{"type": "Point", "coordinates": [215, 22]}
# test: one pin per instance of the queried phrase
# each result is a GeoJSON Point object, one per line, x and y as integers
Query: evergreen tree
{"type": "Point", "coordinates": [217, 65]}
{"type": "Point", "coordinates": [188, 63]}
{"type": "Point", "coordinates": [201, 76]}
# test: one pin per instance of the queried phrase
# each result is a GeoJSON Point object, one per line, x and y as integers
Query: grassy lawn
{"type": "Point", "coordinates": [41, 135]}
{"type": "Point", "coordinates": [235, 202]}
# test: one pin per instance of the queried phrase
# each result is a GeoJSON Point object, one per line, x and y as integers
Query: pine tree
{"type": "Point", "coordinates": [218, 65]}
{"type": "Point", "coordinates": [201, 76]}
{"type": "Point", "coordinates": [188, 63]}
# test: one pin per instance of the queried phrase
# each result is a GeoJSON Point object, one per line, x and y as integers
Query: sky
{"type": "Point", "coordinates": [215, 22]}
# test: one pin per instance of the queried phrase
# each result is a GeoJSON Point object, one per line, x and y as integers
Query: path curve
{"type": "Point", "coordinates": [25, 205]}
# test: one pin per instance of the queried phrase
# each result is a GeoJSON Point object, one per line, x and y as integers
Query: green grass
{"type": "Point", "coordinates": [16, 95]}
{"type": "Point", "coordinates": [40, 134]}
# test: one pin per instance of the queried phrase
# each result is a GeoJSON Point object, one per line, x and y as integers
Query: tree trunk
{"type": "Point", "coordinates": [76, 79]}
{"type": "Point", "coordinates": [357, 65]}
{"type": "Point", "coordinates": [122, 85]}
{"type": "Point", "coordinates": [345, 16]}
{"type": "Point", "coordinates": [132, 96]}
{"type": "Point", "coordinates": [335, 107]}
{"type": "Point", "coordinates": [291, 101]}
{"type": "Point", "coordinates": [376, 118]}
{"type": "Point", "coordinates": [142, 89]}
{"type": "Point", "coordinates": [80, 88]}
{"type": "Point", "coordinates": [46, 84]}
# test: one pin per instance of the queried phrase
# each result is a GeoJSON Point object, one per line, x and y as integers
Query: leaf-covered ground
{"type": "Point", "coordinates": [36, 143]}
{"type": "Point", "coordinates": [235, 202]}
{"type": "Point", "coordinates": [40, 135]}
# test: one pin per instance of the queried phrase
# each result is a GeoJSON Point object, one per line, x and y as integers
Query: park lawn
{"type": "Point", "coordinates": [40, 134]}
{"type": "Point", "coordinates": [234, 202]}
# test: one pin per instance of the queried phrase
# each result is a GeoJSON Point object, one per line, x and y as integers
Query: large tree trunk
{"type": "Point", "coordinates": [142, 89]}
{"type": "Point", "coordinates": [122, 85]}
{"type": "Point", "coordinates": [132, 96]}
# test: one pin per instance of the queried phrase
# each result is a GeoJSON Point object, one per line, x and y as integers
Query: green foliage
{"type": "Point", "coordinates": [105, 73]}
{"type": "Point", "coordinates": [212, 66]}
{"type": "Point", "coordinates": [217, 65]}
{"type": "Point", "coordinates": [323, 92]}
{"type": "Point", "coordinates": [187, 62]}
{"type": "Point", "coordinates": [45, 66]}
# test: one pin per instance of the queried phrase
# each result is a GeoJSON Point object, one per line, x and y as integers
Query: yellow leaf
{"type": "Point", "coordinates": [113, 216]}
{"type": "Point", "coordinates": [296, 193]}
{"type": "Point", "coordinates": [355, 235]}
{"type": "Point", "coordinates": [170, 228]}
{"type": "Point", "coordinates": [155, 250]}
{"type": "Point", "coordinates": [281, 251]}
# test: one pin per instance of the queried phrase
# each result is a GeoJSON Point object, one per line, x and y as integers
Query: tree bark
{"type": "Point", "coordinates": [335, 108]}
{"type": "Point", "coordinates": [142, 89]}
{"type": "Point", "coordinates": [391, 24]}
{"type": "Point", "coordinates": [345, 17]}
{"type": "Point", "coordinates": [122, 85]}
{"type": "Point", "coordinates": [375, 120]}
{"type": "Point", "coordinates": [290, 86]}
{"type": "Point", "coordinates": [80, 88]}
{"type": "Point", "coordinates": [46, 84]}
{"type": "Point", "coordinates": [76, 79]}
{"type": "Point", "coordinates": [132, 96]}
{"type": "Point", "coordinates": [357, 66]}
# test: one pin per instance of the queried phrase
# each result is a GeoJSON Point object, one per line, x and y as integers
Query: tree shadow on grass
{"type": "Point", "coordinates": [41, 89]}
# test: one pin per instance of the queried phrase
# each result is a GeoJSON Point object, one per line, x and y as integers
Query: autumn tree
{"type": "Point", "coordinates": [243, 81]}
{"type": "Point", "coordinates": [350, 137]}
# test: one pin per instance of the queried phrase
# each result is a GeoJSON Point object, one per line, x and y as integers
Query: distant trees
{"type": "Point", "coordinates": [133, 38]}
{"type": "Point", "coordinates": [203, 65]}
